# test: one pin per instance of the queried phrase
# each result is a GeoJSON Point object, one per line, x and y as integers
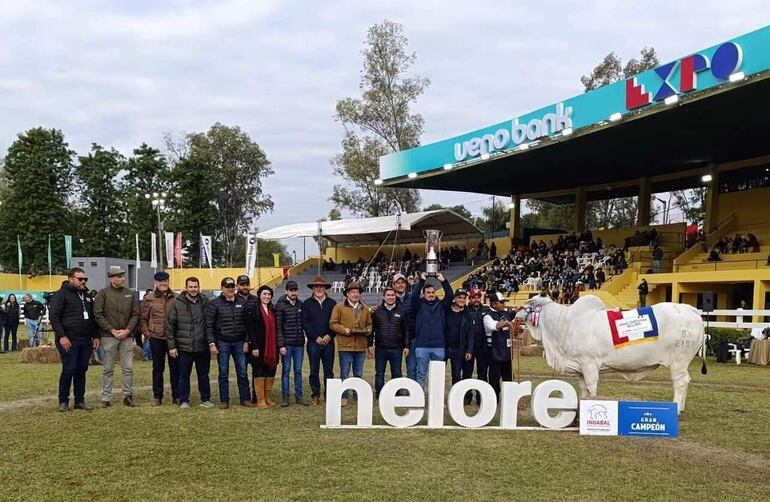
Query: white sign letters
{"type": "Point", "coordinates": [554, 402]}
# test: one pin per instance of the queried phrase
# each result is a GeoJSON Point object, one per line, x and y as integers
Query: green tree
{"type": "Point", "coordinates": [692, 204]}
{"type": "Point", "coordinates": [237, 167]}
{"type": "Point", "coordinates": [548, 215]}
{"type": "Point", "coordinates": [101, 221]}
{"type": "Point", "coordinates": [146, 173]}
{"type": "Point", "coordinates": [193, 209]}
{"type": "Point", "coordinates": [461, 210]}
{"type": "Point", "coordinates": [37, 176]}
{"type": "Point", "coordinates": [493, 217]}
{"type": "Point", "coordinates": [620, 212]}
{"type": "Point", "coordinates": [377, 123]}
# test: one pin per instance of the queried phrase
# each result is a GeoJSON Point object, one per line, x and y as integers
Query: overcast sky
{"type": "Point", "coordinates": [123, 73]}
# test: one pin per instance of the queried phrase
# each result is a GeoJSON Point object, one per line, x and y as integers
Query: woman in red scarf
{"type": "Point", "coordinates": [263, 344]}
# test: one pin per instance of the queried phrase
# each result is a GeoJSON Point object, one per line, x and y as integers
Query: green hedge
{"type": "Point", "coordinates": [729, 335]}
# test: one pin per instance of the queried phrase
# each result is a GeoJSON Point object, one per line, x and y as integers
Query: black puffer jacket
{"type": "Point", "coordinates": [477, 337]}
{"type": "Point", "coordinates": [288, 319]}
{"type": "Point", "coordinates": [225, 321]}
{"type": "Point", "coordinates": [391, 327]}
{"type": "Point", "coordinates": [186, 324]}
{"type": "Point", "coordinates": [66, 313]}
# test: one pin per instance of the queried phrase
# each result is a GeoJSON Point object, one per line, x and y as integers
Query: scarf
{"type": "Point", "coordinates": [271, 343]}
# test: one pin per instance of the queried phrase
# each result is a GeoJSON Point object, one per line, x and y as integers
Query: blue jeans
{"type": "Point", "coordinates": [320, 355]}
{"type": "Point", "coordinates": [147, 350]}
{"type": "Point", "coordinates": [226, 349]}
{"type": "Point", "coordinates": [294, 355]}
{"type": "Point", "coordinates": [424, 356]}
{"type": "Point", "coordinates": [202, 361]}
{"type": "Point", "coordinates": [354, 360]}
{"type": "Point", "coordinates": [74, 365]}
{"type": "Point", "coordinates": [411, 362]}
{"type": "Point", "coordinates": [34, 333]}
{"type": "Point", "coordinates": [382, 357]}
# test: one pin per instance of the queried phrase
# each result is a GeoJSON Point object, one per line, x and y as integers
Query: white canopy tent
{"type": "Point", "coordinates": [373, 231]}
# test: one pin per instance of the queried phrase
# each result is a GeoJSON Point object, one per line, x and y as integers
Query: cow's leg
{"type": "Point", "coordinates": [680, 377]}
{"type": "Point", "coordinates": [583, 386]}
{"type": "Point", "coordinates": [591, 378]}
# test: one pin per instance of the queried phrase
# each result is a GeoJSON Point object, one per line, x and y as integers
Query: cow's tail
{"type": "Point", "coordinates": [703, 369]}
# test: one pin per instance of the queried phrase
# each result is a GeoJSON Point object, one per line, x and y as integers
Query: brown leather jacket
{"type": "Point", "coordinates": [152, 317]}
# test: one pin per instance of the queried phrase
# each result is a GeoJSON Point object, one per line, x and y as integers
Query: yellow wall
{"type": "Point", "coordinates": [210, 279]}
{"type": "Point", "coordinates": [37, 283]}
{"type": "Point", "coordinates": [752, 207]}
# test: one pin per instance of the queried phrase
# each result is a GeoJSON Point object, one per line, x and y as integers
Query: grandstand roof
{"type": "Point", "coordinates": [406, 228]}
{"type": "Point", "coordinates": [603, 139]}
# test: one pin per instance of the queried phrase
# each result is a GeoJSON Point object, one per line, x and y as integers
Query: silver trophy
{"type": "Point", "coordinates": [432, 250]}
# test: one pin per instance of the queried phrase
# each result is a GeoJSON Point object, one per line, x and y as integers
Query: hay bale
{"type": "Point", "coordinates": [137, 353]}
{"type": "Point", "coordinates": [46, 354]}
{"type": "Point", "coordinates": [532, 350]}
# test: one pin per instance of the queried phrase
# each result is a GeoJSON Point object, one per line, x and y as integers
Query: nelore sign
{"type": "Point", "coordinates": [554, 402]}
{"type": "Point", "coordinates": [697, 71]}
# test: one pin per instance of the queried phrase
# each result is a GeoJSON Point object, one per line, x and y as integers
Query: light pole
{"type": "Point", "coordinates": [665, 214]}
{"type": "Point", "coordinates": [158, 200]}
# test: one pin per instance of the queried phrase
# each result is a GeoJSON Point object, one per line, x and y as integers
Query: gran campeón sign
{"type": "Point", "coordinates": [554, 402]}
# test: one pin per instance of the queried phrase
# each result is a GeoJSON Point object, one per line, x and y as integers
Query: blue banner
{"type": "Point", "coordinates": [648, 419]}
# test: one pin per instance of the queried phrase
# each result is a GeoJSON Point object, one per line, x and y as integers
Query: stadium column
{"type": "Point", "coordinates": [580, 210]}
{"type": "Point", "coordinates": [711, 215]}
{"type": "Point", "coordinates": [643, 203]}
{"type": "Point", "coordinates": [515, 217]}
{"type": "Point", "coordinates": [760, 292]}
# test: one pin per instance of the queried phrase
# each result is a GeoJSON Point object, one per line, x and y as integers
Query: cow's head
{"type": "Point", "coordinates": [531, 313]}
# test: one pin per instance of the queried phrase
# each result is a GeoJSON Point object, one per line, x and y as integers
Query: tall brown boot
{"type": "Point", "coordinates": [259, 390]}
{"type": "Point", "coordinates": [269, 391]}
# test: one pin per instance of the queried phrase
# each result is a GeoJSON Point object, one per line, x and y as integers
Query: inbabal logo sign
{"type": "Point", "coordinates": [599, 418]}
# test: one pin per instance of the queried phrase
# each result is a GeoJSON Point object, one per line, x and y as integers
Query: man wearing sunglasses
{"type": "Point", "coordinates": [72, 318]}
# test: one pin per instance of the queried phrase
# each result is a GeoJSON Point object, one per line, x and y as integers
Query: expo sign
{"type": "Point", "coordinates": [725, 61]}
{"type": "Point", "coordinates": [548, 397]}
{"type": "Point", "coordinates": [501, 139]}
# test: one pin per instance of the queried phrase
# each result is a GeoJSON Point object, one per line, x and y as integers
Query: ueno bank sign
{"type": "Point", "coordinates": [554, 402]}
{"type": "Point", "coordinates": [518, 133]}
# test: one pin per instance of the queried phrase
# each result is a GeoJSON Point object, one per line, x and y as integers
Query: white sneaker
{"type": "Point", "coordinates": [184, 406]}
{"type": "Point", "coordinates": [207, 404]}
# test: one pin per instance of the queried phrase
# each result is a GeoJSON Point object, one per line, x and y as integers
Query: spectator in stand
{"type": "Point", "coordinates": [72, 321]}
{"type": "Point", "coordinates": [33, 317]}
{"type": "Point", "coordinates": [11, 309]}
{"type": "Point", "coordinates": [657, 256]}
{"type": "Point", "coordinates": [600, 278]}
{"type": "Point", "coordinates": [714, 255]}
{"type": "Point", "coordinates": [752, 244]}
{"type": "Point", "coordinates": [430, 323]}
{"type": "Point", "coordinates": [644, 289]}
{"type": "Point", "coordinates": [493, 251]}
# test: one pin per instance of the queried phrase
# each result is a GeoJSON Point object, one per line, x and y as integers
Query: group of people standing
{"type": "Point", "coordinates": [10, 314]}
{"type": "Point", "coordinates": [188, 329]}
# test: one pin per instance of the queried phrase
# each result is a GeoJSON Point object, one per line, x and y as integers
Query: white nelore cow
{"type": "Point", "coordinates": [578, 340]}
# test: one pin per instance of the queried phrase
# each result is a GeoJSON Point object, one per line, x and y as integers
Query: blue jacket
{"type": "Point", "coordinates": [430, 318]}
{"type": "Point", "coordinates": [316, 317]}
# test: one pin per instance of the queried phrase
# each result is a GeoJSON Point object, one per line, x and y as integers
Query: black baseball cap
{"type": "Point", "coordinates": [228, 282]}
{"type": "Point", "coordinates": [461, 292]}
{"type": "Point", "coordinates": [243, 279]}
{"type": "Point", "coordinates": [291, 285]}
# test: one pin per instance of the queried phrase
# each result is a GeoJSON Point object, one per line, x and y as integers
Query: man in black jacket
{"type": "Point", "coordinates": [391, 338]}
{"type": "Point", "coordinates": [33, 315]}
{"type": "Point", "coordinates": [316, 314]}
{"type": "Point", "coordinates": [459, 346]}
{"type": "Point", "coordinates": [186, 338]}
{"type": "Point", "coordinates": [478, 337]}
{"type": "Point", "coordinates": [291, 341]}
{"type": "Point", "coordinates": [243, 291]}
{"type": "Point", "coordinates": [72, 320]}
{"type": "Point", "coordinates": [226, 334]}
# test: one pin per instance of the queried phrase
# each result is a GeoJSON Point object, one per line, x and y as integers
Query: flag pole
{"type": "Point", "coordinates": [21, 260]}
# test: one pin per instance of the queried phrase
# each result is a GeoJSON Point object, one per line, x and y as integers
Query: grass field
{"type": "Point", "coordinates": [282, 454]}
